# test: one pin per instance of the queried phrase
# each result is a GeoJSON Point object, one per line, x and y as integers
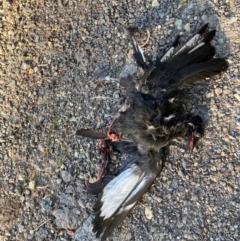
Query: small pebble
{"type": "Point", "coordinates": [148, 213]}
{"type": "Point", "coordinates": [178, 24]}
{"type": "Point", "coordinates": [161, 15]}
{"type": "Point", "coordinates": [47, 203]}
{"type": "Point", "coordinates": [155, 3]}
{"type": "Point", "coordinates": [232, 20]}
{"type": "Point", "coordinates": [218, 91]}
{"type": "Point", "coordinates": [66, 176]}
{"type": "Point", "coordinates": [187, 27]}
{"type": "Point", "coordinates": [32, 184]}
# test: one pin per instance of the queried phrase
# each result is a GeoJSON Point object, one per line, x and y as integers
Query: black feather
{"type": "Point", "coordinates": [151, 122]}
{"type": "Point", "coordinates": [194, 73]}
{"type": "Point", "coordinates": [138, 55]}
{"type": "Point", "coordinates": [203, 29]}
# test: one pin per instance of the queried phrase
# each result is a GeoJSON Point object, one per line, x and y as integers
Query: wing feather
{"type": "Point", "coordinates": [123, 192]}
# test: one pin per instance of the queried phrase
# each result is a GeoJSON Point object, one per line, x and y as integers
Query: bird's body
{"type": "Point", "coordinates": [150, 121]}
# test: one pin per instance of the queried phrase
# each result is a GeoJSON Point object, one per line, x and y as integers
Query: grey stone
{"type": "Point", "coordinates": [66, 176]}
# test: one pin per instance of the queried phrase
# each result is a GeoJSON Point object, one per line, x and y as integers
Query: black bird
{"type": "Point", "coordinates": [149, 122]}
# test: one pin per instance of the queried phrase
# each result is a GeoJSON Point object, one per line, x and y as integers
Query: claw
{"type": "Point", "coordinates": [104, 150]}
{"type": "Point", "coordinates": [192, 142]}
{"type": "Point", "coordinates": [104, 162]}
{"type": "Point", "coordinates": [114, 137]}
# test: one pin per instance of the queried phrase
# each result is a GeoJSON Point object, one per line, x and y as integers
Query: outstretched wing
{"type": "Point", "coordinates": [186, 65]}
{"type": "Point", "coordinates": [182, 64]}
{"type": "Point", "coordinates": [123, 192]}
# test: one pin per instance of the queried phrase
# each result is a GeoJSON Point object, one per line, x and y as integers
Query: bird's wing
{"type": "Point", "coordinates": [182, 64]}
{"type": "Point", "coordinates": [122, 193]}
{"type": "Point", "coordinates": [127, 147]}
{"type": "Point", "coordinates": [190, 44]}
{"type": "Point", "coordinates": [186, 65]}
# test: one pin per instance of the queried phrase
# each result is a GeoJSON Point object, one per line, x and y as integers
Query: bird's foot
{"type": "Point", "coordinates": [113, 136]}
{"type": "Point", "coordinates": [105, 149]}
{"type": "Point", "coordinates": [192, 142]}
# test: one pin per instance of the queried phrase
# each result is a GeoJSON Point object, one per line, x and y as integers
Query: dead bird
{"type": "Point", "coordinates": [151, 120]}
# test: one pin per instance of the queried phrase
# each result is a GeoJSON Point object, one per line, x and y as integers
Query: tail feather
{"type": "Point", "coordinates": [197, 72]}
{"type": "Point", "coordinates": [207, 37]}
{"type": "Point", "coordinates": [195, 52]}
{"type": "Point", "coordinates": [193, 41]}
{"type": "Point", "coordinates": [171, 50]}
{"type": "Point", "coordinates": [173, 70]}
{"type": "Point", "coordinates": [192, 74]}
{"type": "Point", "coordinates": [200, 54]}
{"type": "Point", "coordinates": [187, 65]}
{"type": "Point", "coordinates": [169, 74]}
{"type": "Point", "coordinates": [203, 28]}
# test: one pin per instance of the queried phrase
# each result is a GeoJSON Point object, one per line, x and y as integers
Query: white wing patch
{"type": "Point", "coordinates": [137, 189]}
{"type": "Point", "coordinates": [118, 189]}
{"type": "Point", "coordinates": [142, 53]}
{"type": "Point", "coordinates": [189, 43]}
{"type": "Point", "coordinates": [198, 46]}
{"type": "Point", "coordinates": [138, 48]}
{"type": "Point", "coordinates": [168, 54]}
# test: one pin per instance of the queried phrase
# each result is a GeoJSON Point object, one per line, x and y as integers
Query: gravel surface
{"type": "Point", "coordinates": [54, 57]}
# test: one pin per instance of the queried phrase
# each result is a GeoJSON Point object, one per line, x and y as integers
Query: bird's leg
{"type": "Point", "coordinates": [105, 151]}
{"type": "Point", "coordinates": [188, 126]}
{"type": "Point", "coordinates": [195, 129]}
{"type": "Point", "coordinates": [114, 137]}
{"type": "Point", "coordinates": [105, 156]}
{"type": "Point", "coordinates": [192, 141]}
